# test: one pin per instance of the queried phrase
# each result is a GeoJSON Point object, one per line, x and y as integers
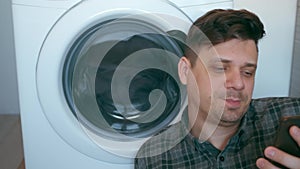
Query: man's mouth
{"type": "Point", "coordinates": [233, 103]}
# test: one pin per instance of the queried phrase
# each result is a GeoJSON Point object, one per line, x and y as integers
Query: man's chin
{"type": "Point", "coordinates": [225, 122]}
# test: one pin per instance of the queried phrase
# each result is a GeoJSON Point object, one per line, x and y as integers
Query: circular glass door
{"type": "Point", "coordinates": [120, 78]}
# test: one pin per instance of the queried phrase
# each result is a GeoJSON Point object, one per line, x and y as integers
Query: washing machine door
{"type": "Point", "coordinates": [107, 74]}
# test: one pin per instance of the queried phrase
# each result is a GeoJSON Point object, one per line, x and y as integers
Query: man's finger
{"type": "Point", "coordinates": [282, 158]}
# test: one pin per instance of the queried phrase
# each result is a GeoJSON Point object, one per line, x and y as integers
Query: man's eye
{"type": "Point", "coordinates": [219, 69]}
{"type": "Point", "coordinates": [248, 73]}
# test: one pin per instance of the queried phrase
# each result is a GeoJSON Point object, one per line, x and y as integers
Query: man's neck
{"type": "Point", "coordinates": [222, 135]}
{"type": "Point", "coordinates": [218, 136]}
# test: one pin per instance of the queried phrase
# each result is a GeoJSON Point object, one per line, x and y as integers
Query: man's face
{"type": "Point", "coordinates": [221, 81]}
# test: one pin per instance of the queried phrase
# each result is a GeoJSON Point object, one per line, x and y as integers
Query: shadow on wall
{"type": "Point", "coordinates": [8, 86]}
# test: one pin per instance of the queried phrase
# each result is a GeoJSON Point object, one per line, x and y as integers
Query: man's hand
{"type": "Point", "coordinates": [279, 156]}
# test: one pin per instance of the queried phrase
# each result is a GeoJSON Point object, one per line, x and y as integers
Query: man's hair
{"type": "Point", "coordinates": [219, 25]}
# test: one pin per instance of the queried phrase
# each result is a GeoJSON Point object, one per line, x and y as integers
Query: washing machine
{"type": "Point", "coordinates": [98, 78]}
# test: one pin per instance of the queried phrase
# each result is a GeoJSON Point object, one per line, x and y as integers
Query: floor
{"type": "Point", "coordinates": [11, 154]}
{"type": "Point", "coordinates": [22, 165]}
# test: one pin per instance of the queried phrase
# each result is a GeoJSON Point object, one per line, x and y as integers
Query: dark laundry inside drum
{"type": "Point", "coordinates": [143, 83]}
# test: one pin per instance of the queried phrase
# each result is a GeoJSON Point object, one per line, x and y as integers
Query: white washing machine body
{"type": "Point", "coordinates": [57, 54]}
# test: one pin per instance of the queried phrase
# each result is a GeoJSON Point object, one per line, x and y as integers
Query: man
{"type": "Point", "coordinates": [222, 127]}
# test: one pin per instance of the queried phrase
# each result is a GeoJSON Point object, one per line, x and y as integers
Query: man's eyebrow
{"type": "Point", "coordinates": [248, 64]}
{"type": "Point", "coordinates": [224, 60]}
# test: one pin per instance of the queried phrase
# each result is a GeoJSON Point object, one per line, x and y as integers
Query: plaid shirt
{"type": "Point", "coordinates": [176, 148]}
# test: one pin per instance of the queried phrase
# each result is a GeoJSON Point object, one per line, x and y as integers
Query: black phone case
{"type": "Point", "coordinates": [283, 140]}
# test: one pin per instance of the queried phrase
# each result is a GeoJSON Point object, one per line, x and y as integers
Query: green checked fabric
{"type": "Point", "coordinates": [175, 148]}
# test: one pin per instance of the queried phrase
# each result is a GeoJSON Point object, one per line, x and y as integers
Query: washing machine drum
{"type": "Point", "coordinates": [122, 85]}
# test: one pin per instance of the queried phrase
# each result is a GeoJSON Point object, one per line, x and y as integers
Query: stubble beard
{"type": "Point", "coordinates": [226, 116]}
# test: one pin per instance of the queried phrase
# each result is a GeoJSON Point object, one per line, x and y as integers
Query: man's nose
{"type": "Point", "coordinates": [234, 79]}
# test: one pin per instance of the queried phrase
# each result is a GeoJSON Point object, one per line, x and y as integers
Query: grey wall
{"type": "Point", "coordinates": [295, 77]}
{"type": "Point", "coordinates": [8, 80]}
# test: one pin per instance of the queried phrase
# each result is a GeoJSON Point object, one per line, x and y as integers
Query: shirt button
{"type": "Point", "coordinates": [221, 158]}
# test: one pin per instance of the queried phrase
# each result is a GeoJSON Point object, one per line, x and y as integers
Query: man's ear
{"type": "Point", "coordinates": [184, 66]}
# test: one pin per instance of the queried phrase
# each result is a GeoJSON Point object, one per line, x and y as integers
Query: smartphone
{"type": "Point", "coordinates": [283, 139]}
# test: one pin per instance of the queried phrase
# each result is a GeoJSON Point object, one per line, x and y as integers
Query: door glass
{"type": "Point", "coordinates": [120, 78]}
